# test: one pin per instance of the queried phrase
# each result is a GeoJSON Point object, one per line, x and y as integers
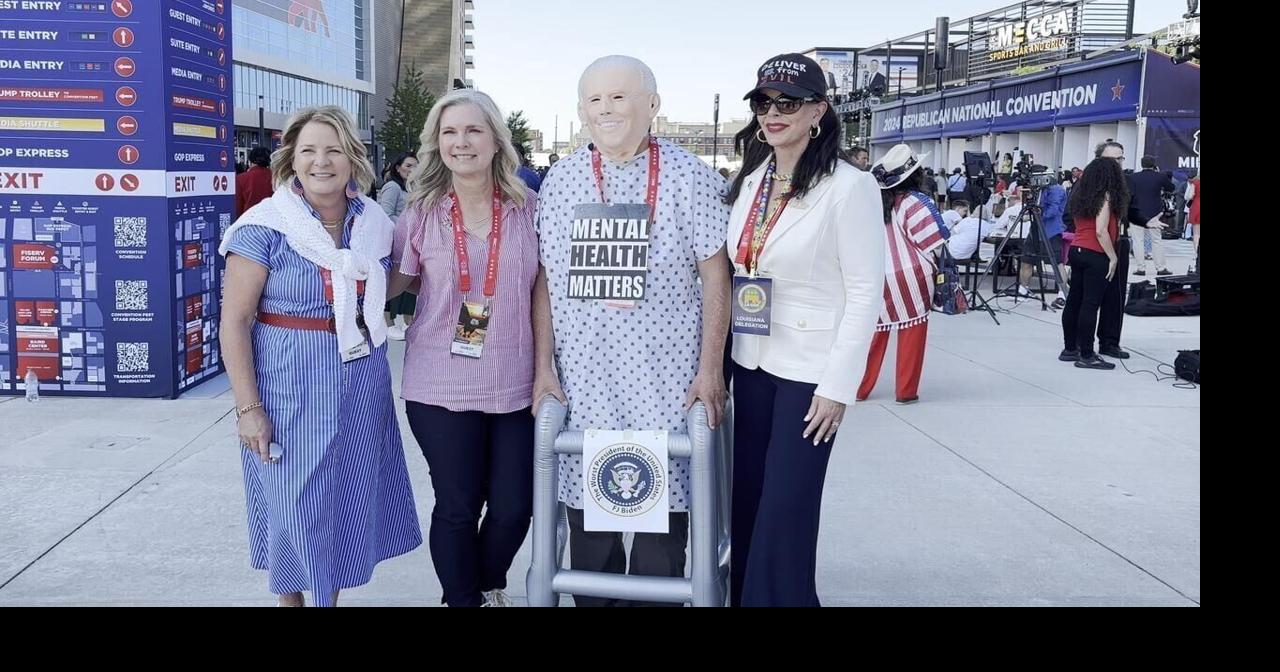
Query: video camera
{"type": "Point", "coordinates": [1032, 175]}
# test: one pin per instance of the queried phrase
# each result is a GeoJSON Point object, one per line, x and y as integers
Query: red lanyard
{"type": "Point", "coordinates": [460, 245]}
{"type": "Point", "coordinates": [327, 276]}
{"type": "Point", "coordinates": [651, 197]}
{"type": "Point", "coordinates": [328, 285]}
{"type": "Point", "coordinates": [756, 230]}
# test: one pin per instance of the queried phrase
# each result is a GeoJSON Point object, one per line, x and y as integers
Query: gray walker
{"type": "Point", "coordinates": [709, 453]}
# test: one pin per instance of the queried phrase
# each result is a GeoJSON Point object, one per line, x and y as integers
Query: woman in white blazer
{"type": "Point", "coordinates": [809, 267]}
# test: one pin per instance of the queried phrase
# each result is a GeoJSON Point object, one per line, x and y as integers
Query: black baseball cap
{"type": "Point", "coordinates": [793, 74]}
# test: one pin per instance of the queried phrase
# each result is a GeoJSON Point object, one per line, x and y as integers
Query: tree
{"type": "Point", "coordinates": [519, 127]}
{"type": "Point", "coordinates": [406, 113]}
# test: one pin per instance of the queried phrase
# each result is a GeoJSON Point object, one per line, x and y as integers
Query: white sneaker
{"type": "Point", "coordinates": [395, 332]}
{"type": "Point", "coordinates": [496, 598]}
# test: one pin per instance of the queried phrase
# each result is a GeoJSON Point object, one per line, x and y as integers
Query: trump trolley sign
{"type": "Point", "coordinates": [625, 481]}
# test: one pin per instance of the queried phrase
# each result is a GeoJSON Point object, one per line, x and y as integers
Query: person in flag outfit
{"type": "Point", "coordinates": [912, 233]}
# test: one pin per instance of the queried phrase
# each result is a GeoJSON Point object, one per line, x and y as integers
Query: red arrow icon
{"type": "Point", "coordinates": [219, 6]}
{"type": "Point", "coordinates": [222, 107]}
{"type": "Point", "coordinates": [222, 31]}
{"type": "Point", "coordinates": [125, 66]}
{"type": "Point", "coordinates": [126, 96]}
{"type": "Point", "coordinates": [129, 182]}
{"type": "Point", "coordinates": [222, 158]}
{"type": "Point", "coordinates": [222, 133]}
{"type": "Point", "coordinates": [222, 57]}
{"type": "Point", "coordinates": [127, 125]}
{"type": "Point", "coordinates": [104, 182]}
{"type": "Point", "coordinates": [123, 37]}
{"type": "Point", "coordinates": [122, 8]}
{"type": "Point", "coordinates": [222, 82]}
{"type": "Point", "coordinates": [128, 155]}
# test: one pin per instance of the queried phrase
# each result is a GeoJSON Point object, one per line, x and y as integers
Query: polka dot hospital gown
{"type": "Point", "coordinates": [632, 368]}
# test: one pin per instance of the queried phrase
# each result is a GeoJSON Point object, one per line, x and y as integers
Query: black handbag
{"type": "Point", "coordinates": [1187, 365]}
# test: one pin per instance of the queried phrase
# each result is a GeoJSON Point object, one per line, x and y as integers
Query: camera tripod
{"type": "Point", "coordinates": [1035, 249]}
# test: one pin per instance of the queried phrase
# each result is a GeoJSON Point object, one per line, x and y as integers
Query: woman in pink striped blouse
{"type": "Point", "coordinates": [467, 240]}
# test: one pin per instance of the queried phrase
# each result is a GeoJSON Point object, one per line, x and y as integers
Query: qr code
{"type": "Point", "coordinates": [132, 357]}
{"type": "Point", "coordinates": [131, 294]}
{"type": "Point", "coordinates": [131, 231]}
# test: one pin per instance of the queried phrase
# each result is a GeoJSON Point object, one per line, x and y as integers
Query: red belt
{"type": "Point", "coordinates": [305, 323]}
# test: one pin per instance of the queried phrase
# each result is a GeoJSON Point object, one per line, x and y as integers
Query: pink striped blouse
{"type": "Point", "coordinates": [501, 381]}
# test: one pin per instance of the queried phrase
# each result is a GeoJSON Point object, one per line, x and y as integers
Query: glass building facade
{"type": "Point", "coordinates": [326, 39]}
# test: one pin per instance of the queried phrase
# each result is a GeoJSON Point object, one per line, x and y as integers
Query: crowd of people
{"type": "Point", "coordinates": [467, 255]}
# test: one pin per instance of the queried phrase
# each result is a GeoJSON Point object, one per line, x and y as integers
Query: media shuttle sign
{"type": "Point", "coordinates": [625, 481]}
{"type": "Point", "coordinates": [1042, 33]}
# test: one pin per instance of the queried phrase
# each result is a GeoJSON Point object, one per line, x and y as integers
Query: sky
{"type": "Point", "coordinates": [529, 53]}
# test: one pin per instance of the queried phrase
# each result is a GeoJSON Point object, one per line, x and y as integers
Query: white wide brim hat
{"type": "Point", "coordinates": [896, 166]}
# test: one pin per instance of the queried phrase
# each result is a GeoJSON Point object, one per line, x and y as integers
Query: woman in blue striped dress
{"type": "Point", "coordinates": [326, 485]}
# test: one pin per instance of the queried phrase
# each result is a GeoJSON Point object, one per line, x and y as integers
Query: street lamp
{"type": "Point", "coordinates": [262, 130]}
{"type": "Point", "coordinates": [373, 140]}
{"type": "Point", "coordinates": [715, 133]}
{"type": "Point", "coordinates": [900, 69]}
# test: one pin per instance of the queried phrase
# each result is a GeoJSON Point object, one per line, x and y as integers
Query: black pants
{"type": "Point", "coordinates": [477, 460]}
{"type": "Point", "coordinates": [651, 555]}
{"type": "Point", "coordinates": [1111, 319]}
{"type": "Point", "coordinates": [777, 493]}
{"type": "Point", "coordinates": [1088, 287]}
{"type": "Point", "coordinates": [404, 304]}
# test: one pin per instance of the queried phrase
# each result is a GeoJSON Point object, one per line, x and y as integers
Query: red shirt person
{"type": "Point", "coordinates": [254, 184]}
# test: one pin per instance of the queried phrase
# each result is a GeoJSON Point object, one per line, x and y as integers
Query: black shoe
{"type": "Point", "coordinates": [1068, 355]}
{"type": "Point", "coordinates": [1140, 272]}
{"type": "Point", "coordinates": [1114, 352]}
{"type": "Point", "coordinates": [1094, 362]}
{"type": "Point", "coordinates": [1164, 271]}
{"type": "Point", "coordinates": [907, 400]}
{"type": "Point", "coordinates": [1059, 303]}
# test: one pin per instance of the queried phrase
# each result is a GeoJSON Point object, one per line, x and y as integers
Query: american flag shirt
{"type": "Point", "coordinates": [912, 234]}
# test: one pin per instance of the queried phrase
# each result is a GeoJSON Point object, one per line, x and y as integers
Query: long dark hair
{"type": "Point", "coordinates": [818, 161]}
{"type": "Point", "coordinates": [395, 170]}
{"type": "Point", "coordinates": [913, 182]}
{"type": "Point", "coordinates": [1102, 177]}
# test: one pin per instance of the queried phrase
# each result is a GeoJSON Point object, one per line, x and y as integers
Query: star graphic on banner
{"type": "Point", "coordinates": [1117, 90]}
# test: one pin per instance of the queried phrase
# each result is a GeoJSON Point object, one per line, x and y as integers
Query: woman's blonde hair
{"type": "Point", "coordinates": [343, 125]}
{"type": "Point", "coordinates": [432, 179]}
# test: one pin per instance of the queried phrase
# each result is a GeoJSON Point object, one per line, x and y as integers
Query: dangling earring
{"type": "Point", "coordinates": [760, 136]}
{"type": "Point", "coordinates": [815, 131]}
{"type": "Point", "coordinates": [353, 188]}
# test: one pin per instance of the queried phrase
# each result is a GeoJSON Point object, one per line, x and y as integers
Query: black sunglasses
{"type": "Point", "coordinates": [760, 104]}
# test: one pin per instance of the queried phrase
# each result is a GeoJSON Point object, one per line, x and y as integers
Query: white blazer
{"type": "Point", "coordinates": [826, 259]}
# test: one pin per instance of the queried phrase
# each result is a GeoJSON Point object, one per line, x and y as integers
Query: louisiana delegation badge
{"type": "Point", "coordinates": [751, 309]}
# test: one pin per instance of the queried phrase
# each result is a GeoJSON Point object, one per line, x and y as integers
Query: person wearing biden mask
{"type": "Point", "coordinates": [634, 348]}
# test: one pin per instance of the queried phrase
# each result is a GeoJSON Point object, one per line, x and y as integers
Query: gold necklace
{"type": "Point", "coordinates": [332, 226]}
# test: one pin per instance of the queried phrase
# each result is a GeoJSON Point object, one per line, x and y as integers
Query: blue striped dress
{"type": "Point", "coordinates": [339, 501]}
